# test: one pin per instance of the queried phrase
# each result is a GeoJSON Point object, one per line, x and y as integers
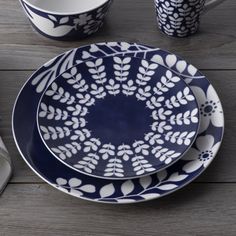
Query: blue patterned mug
{"type": "Point", "coordinates": [60, 19]}
{"type": "Point", "coordinates": [180, 18]}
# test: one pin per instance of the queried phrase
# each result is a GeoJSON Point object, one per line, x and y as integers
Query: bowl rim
{"type": "Point", "coordinates": [62, 13]}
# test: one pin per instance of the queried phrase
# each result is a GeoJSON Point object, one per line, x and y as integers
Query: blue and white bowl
{"type": "Point", "coordinates": [118, 117]}
{"type": "Point", "coordinates": [62, 20]}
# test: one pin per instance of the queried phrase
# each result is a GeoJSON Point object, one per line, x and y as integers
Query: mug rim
{"type": "Point", "coordinates": [62, 13]}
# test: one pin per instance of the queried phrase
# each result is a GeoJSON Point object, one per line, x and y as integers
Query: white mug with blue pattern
{"type": "Point", "coordinates": [180, 18]}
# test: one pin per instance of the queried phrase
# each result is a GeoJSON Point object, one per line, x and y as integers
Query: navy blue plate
{"type": "Point", "coordinates": [118, 117]}
{"type": "Point", "coordinates": [46, 166]}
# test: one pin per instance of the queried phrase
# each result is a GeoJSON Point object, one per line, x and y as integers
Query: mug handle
{"type": "Point", "coordinates": [211, 4]}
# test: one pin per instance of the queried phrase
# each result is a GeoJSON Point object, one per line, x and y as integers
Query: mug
{"type": "Point", "coordinates": [181, 18]}
{"type": "Point", "coordinates": [62, 20]}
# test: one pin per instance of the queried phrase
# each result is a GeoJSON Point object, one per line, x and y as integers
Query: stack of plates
{"type": "Point", "coordinates": [118, 122]}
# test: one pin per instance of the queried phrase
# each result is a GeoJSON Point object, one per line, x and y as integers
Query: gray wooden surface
{"type": "Point", "coordinates": [205, 207]}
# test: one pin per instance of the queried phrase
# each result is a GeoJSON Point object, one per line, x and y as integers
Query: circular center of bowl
{"type": "Point", "coordinates": [119, 119]}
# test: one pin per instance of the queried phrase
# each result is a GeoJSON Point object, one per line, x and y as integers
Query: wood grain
{"type": "Point", "coordinates": [214, 47]}
{"type": "Point", "coordinates": [199, 209]}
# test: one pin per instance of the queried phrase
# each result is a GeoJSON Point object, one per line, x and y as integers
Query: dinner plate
{"type": "Point", "coordinates": [43, 163]}
{"type": "Point", "coordinates": [114, 117]}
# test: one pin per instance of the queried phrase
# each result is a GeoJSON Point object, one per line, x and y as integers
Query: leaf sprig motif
{"type": "Point", "coordinates": [161, 114]}
{"type": "Point", "coordinates": [141, 165]}
{"type": "Point", "coordinates": [76, 123]}
{"type": "Point", "coordinates": [154, 102]}
{"type": "Point", "coordinates": [165, 83]}
{"type": "Point", "coordinates": [86, 99]}
{"type": "Point", "coordinates": [153, 138]}
{"type": "Point", "coordinates": [179, 138]}
{"type": "Point", "coordinates": [112, 87]}
{"type": "Point", "coordinates": [88, 163]}
{"type": "Point", "coordinates": [107, 150]}
{"type": "Point", "coordinates": [160, 127]}
{"type": "Point", "coordinates": [184, 118]}
{"type": "Point", "coordinates": [140, 147]}
{"type": "Point", "coordinates": [78, 110]}
{"type": "Point", "coordinates": [181, 98]}
{"type": "Point", "coordinates": [54, 132]}
{"type": "Point", "coordinates": [129, 88]}
{"type": "Point", "coordinates": [143, 93]}
{"type": "Point", "coordinates": [91, 145]}
{"type": "Point", "coordinates": [81, 135]}
{"type": "Point", "coordinates": [59, 94]}
{"type": "Point", "coordinates": [97, 70]}
{"type": "Point", "coordinates": [114, 167]}
{"type": "Point", "coordinates": [50, 113]}
{"type": "Point", "coordinates": [75, 79]}
{"type": "Point", "coordinates": [164, 154]}
{"type": "Point", "coordinates": [148, 190]}
{"type": "Point", "coordinates": [67, 150]}
{"type": "Point", "coordinates": [124, 151]}
{"type": "Point", "coordinates": [145, 72]}
{"type": "Point", "coordinates": [121, 68]}
{"type": "Point", "coordinates": [98, 92]}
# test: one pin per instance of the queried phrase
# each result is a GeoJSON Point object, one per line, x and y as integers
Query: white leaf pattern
{"type": "Point", "coordinates": [145, 181]}
{"type": "Point", "coordinates": [92, 150]}
{"type": "Point", "coordinates": [145, 72]}
{"type": "Point", "coordinates": [167, 187]}
{"type": "Point", "coordinates": [107, 190]}
{"type": "Point", "coordinates": [121, 68]}
{"type": "Point", "coordinates": [97, 70]}
{"type": "Point", "coordinates": [127, 187]}
{"type": "Point", "coordinates": [177, 18]}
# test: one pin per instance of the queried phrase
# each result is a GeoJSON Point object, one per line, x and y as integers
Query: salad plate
{"type": "Point", "coordinates": [118, 117]}
{"type": "Point", "coordinates": [185, 170]}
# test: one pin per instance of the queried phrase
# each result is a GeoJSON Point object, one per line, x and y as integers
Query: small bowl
{"type": "Point", "coordinates": [63, 20]}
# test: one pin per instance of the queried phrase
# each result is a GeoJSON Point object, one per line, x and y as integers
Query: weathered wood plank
{"type": "Point", "coordinates": [222, 169]}
{"type": "Point", "coordinates": [199, 209]}
{"type": "Point", "coordinates": [214, 47]}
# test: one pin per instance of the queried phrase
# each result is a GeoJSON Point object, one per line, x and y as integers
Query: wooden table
{"type": "Point", "coordinates": [205, 207]}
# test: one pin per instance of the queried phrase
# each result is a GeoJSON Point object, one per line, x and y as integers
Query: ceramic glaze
{"type": "Point", "coordinates": [184, 171]}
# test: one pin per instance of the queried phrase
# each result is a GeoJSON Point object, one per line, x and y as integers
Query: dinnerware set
{"type": "Point", "coordinates": [118, 122]}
